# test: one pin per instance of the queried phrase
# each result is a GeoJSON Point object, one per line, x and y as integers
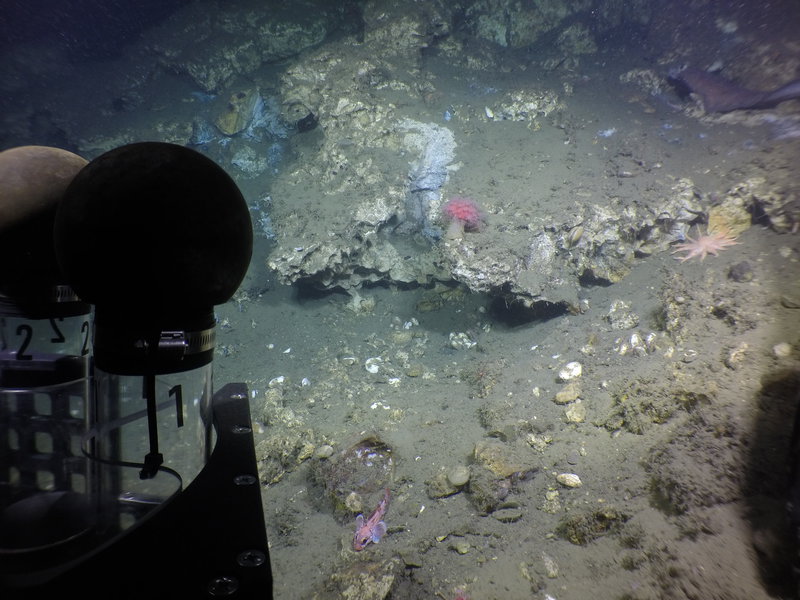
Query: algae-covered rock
{"type": "Point", "coordinates": [499, 458]}
{"type": "Point", "coordinates": [352, 477]}
{"type": "Point", "coordinates": [283, 452]}
{"type": "Point", "coordinates": [642, 403]}
{"type": "Point", "coordinates": [496, 470]}
{"type": "Point", "coordinates": [362, 580]}
{"type": "Point", "coordinates": [449, 482]}
{"type": "Point", "coordinates": [440, 486]}
{"type": "Point", "coordinates": [580, 529]}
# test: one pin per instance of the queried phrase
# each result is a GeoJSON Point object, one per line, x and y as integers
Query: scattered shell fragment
{"type": "Point", "coordinates": [736, 357]}
{"type": "Point", "coordinates": [373, 364]}
{"type": "Point", "coordinates": [489, 112]}
{"type": "Point", "coordinates": [570, 371]}
{"type": "Point", "coordinates": [569, 480]}
{"type": "Point", "coordinates": [637, 344]}
{"type": "Point", "coordinates": [539, 442]}
{"type": "Point", "coordinates": [324, 451]}
{"type": "Point", "coordinates": [551, 503]}
{"type": "Point", "coordinates": [782, 350]}
{"type": "Point", "coordinates": [347, 359]}
{"type": "Point", "coordinates": [461, 341]}
{"type": "Point", "coordinates": [574, 236]}
{"type": "Point", "coordinates": [550, 566]}
{"type": "Point", "coordinates": [621, 316]}
{"type": "Point", "coordinates": [276, 381]}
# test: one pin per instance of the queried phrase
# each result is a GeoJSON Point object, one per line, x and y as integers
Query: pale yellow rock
{"type": "Point", "coordinates": [402, 336]}
{"type": "Point", "coordinates": [306, 452]}
{"type": "Point", "coordinates": [238, 112]}
{"type": "Point", "coordinates": [496, 458]}
{"type": "Point", "coordinates": [461, 546]}
{"type": "Point", "coordinates": [569, 393]}
{"type": "Point", "coordinates": [323, 452]}
{"type": "Point", "coordinates": [729, 217]}
{"type": "Point", "coordinates": [354, 503]}
{"type": "Point", "coordinates": [576, 412]}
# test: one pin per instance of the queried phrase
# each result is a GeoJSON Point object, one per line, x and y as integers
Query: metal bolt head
{"type": "Point", "coordinates": [223, 586]}
{"type": "Point", "coordinates": [245, 479]}
{"type": "Point", "coordinates": [251, 558]}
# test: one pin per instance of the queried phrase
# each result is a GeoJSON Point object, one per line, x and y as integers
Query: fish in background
{"type": "Point", "coordinates": [720, 95]}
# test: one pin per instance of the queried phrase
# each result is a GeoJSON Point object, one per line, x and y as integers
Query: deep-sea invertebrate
{"type": "Point", "coordinates": [703, 245]}
{"type": "Point", "coordinates": [462, 214]}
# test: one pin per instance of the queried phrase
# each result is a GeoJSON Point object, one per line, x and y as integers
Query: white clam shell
{"type": "Point", "coordinates": [373, 364]}
{"type": "Point", "coordinates": [570, 371]}
{"type": "Point", "coordinates": [569, 480]}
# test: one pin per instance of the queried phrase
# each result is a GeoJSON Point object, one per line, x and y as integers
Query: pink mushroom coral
{"type": "Point", "coordinates": [462, 214]}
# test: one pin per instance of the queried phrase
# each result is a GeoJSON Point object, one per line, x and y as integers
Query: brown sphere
{"type": "Point", "coordinates": [33, 180]}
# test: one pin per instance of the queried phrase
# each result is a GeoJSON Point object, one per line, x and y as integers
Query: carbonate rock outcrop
{"type": "Point", "coordinates": [213, 42]}
{"type": "Point", "coordinates": [548, 259]}
{"type": "Point", "coordinates": [372, 184]}
{"type": "Point", "coordinates": [518, 23]}
{"type": "Point", "coordinates": [515, 23]}
{"type": "Point", "coordinates": [362, 203]}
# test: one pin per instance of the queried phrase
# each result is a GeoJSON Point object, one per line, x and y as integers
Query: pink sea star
{"type": "Point", "coordinates": [703, 245]}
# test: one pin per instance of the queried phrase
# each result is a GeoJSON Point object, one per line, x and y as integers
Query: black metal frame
{"type": "Point", "coordinates": [209, 541]}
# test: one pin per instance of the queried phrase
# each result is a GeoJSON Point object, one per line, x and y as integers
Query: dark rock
{"type": "Point", "coordinates": [741, 272]}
